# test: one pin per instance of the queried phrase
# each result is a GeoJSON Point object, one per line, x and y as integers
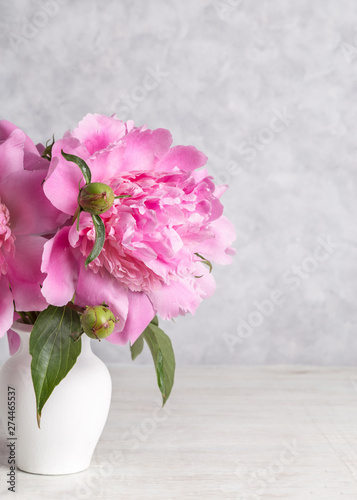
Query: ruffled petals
{"type": "Point", "coordinates": [97, 131]}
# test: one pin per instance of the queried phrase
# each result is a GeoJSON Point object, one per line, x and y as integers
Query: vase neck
{"type": "Point", "coordinates": [86, 344]}
{"type": "Point", "coordinates": [24, 332]}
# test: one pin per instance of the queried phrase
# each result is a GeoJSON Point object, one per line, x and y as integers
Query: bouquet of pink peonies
{"type": "Point", "coordinates": [101, 232]}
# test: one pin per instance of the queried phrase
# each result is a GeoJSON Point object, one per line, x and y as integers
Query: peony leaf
{"type": "Point", "coordinates": [155, 321]}
{"type": "Point", "coordinates": [137, 347]}
{"type": "Point", "coordinates": [99, 239]}
{"type": "Point", "coordinates": [82, 165]}
{"type": "Point", "coordinates": [163, 355]}
{"type": "Point", "coordinates": [76, 216]}
{"type": "Point", "coordinates": [53, 351]}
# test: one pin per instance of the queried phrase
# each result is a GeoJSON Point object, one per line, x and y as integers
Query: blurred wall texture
{"type": "Point", "coordinates": [268, 91]}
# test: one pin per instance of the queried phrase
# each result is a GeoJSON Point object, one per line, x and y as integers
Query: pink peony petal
{"type": "Point", "coordinates": [24, 273]}
{"type": "Point", "coordinates": [144, 149]}
{"type": "Point", "coordinates": [30, 210]}
{"type": "Point", "coordinates": [220, 190]}
{"type": "Point", "coordinates": [217, 248]}
{"type": "Point", "coordinates": [40, 148]}
{"type": "Point", "coordinates": [185, 158]}
{"type": "Point", "coordinates": [13, 338]}
{"type": "Point", "coordinates": [178, 297]}
{"type": "Point", "coordinates": [14, 341]}
{"type": "Point", "coordinates": [141, 312]}
{"type": "Point", "coordinates": [65, 176]}
{"type": "Point", "coordinates": [12, 153]}
{"type": "Point", "coordinates": [61, 266]}
{"type": "Point", "coordinates": [106, 164]}
{"type": "Point", "coordinates": [99, 131]}
{"type": "Point", "coordinates": [6, 306]}
{"type": "Point", "coordinates": [33, 161]}
{"type": "Point", "coordinates": [7, 128]}
{"type": "Point", "coordinates": [18, 152]}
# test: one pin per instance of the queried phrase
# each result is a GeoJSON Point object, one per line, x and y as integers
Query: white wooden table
{"type": "Point", "coordinates": [226, 433]}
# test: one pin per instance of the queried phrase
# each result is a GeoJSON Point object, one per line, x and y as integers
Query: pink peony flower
{"type": "Point", "coordinates": [25, 215]}
{"type": "Point", "coordinates": [156, 237]}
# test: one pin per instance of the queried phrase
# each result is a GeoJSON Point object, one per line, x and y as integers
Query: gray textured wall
{"type": "Point", "coordinates": [267, 89]}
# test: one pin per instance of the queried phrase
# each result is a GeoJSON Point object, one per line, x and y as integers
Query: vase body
{"type": "Point", "coordinates": [72, 419]}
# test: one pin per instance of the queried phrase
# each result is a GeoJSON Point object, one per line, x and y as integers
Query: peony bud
{"type": "Point", "coordinates": [98, 322]}
{"type": "Point", "coordinates": [96, 198]}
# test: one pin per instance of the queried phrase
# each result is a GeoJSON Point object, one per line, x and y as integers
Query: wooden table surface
{"type": "Point", "coordinates": [249, 433]}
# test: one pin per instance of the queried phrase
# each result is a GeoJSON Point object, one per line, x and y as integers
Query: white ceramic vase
{"type": "Point", "coordinates": [72, 419]}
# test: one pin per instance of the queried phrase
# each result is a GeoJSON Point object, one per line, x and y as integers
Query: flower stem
{"type": "Point", "coordinates": [28, 317]}
{"type": "Point", "coordinates": [75, 308]}
{"type": "Point", "coordinates": [24, 317]}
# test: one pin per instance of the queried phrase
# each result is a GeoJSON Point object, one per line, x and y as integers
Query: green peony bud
{"type": "Point", "coordinates": [98, 322]}
{"type": "Point", "coordinates": [96, 198]}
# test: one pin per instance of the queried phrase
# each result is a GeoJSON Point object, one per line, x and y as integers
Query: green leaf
{"type": "Point", "coordinates": [76, 216]}
{"type": "Point", "coordinates": [82, 165]}
{"type": "Point", "coordinates": [137, 347]}
{"type": "Point", "coordinates": [163, 356]}
{"type": "Point", "coordinates": [47, 152]}
{"type": "Point", "coordinates": [53, 351]}
{"type": "Point", "coordinates": [155, 321]}
{"type": "Point", "coordinates": [205, 261]}
{"type": "Point", "coordinates": [99, 239]}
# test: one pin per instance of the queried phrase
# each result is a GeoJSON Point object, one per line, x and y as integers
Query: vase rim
{"type": "Point", "coordinates": [20, 327]}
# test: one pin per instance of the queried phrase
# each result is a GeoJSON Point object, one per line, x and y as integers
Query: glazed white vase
{"type": "Point", "coordinates": [72, 419]}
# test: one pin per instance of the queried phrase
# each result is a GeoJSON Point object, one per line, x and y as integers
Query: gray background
{"type": "Point", "coordinates": [226, 69]}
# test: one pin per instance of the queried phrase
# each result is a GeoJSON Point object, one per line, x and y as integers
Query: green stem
{"type": "Point", "coordinates": [32, 316]}
{"type": "Point", "coordinates": [75, 308]}
{"type": "Point", "coordinates": [24, 317]}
